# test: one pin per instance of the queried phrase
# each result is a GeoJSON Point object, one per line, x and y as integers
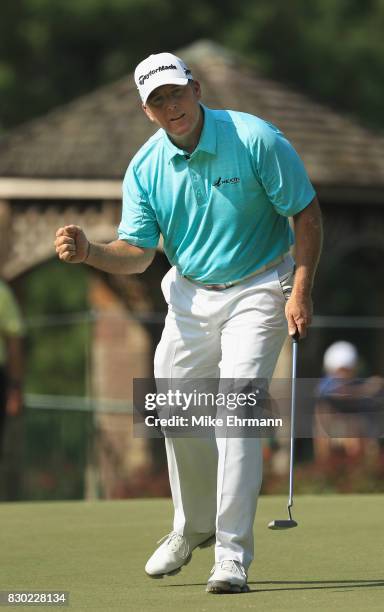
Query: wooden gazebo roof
{"type": "Point", "coordinates": [94, 137]}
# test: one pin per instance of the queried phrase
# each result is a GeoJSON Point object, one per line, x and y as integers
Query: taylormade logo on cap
{"type": "Point", "coordinates": [151, 72]}
{"type": "Point", "coordinates": [160, 69]}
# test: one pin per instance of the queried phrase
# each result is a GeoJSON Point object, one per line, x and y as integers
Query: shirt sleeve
{"type": "Point", "coordinates": [11, 323]}
{"type": "Point", "coordinates": [138, 224]}
{"type": "Point", "coordinates": [282, 172]}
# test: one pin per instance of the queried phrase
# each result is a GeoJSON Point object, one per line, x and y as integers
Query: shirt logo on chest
{"type": "Point", "coordinates": [222, 181]}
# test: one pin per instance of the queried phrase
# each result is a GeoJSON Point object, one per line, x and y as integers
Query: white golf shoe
{"type": "Point", "coordinates": [227, 577]}
{"type": "Point", "coordinates": [174, 552]}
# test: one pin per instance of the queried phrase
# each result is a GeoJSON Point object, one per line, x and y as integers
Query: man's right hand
{"type": "Point", "coordinates": [72, 245]}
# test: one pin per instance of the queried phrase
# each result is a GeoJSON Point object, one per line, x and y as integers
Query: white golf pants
{"type": "Point", "coordinates": [234, 333]}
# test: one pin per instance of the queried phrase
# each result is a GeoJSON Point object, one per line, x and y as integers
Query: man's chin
{"type": "Point", "coordinates": [179, 128]}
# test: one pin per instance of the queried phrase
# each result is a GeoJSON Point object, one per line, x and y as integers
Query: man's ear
{"type": "Point", "coordinates": [148, 112]}
{"type": "Point", "coordinates": [196, 89]}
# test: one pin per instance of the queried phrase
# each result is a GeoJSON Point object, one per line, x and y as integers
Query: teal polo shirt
{"type": "Point", "coordinates": [222, 211]}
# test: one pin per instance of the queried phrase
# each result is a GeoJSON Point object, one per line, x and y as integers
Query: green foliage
{"type": "Point", "coordinates": [56, 443]}
{"type": "Point", "coordinates": [56, 345]}
{"type": "Point", "coordinates": [55, 454]}
{"type": "Point", "coordinates": [61, 49]}
{"type": "Point", "coordinates": [334, 50]}
{"type": "Point", "coordinates": [53, 51]}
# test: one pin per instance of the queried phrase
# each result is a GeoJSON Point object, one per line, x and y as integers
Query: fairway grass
{"type": "Point", "coordinates": [97, 551]}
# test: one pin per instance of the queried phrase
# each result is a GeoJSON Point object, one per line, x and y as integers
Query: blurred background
{"type": "Point", "coordinates": [70, 121]}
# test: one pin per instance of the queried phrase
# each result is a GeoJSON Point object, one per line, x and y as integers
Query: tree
{"type": "Point", "coordinates": [52, 51]}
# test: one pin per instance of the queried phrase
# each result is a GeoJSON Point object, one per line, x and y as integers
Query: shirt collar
{"type": "Point", "coordinates": [207, 142]}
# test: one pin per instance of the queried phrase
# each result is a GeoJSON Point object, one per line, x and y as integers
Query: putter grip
{"type": "Point", "coordinates": [296, 336]}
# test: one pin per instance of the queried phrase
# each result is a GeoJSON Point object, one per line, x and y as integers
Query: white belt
{"type": "Point", "coordinates": [222, 286]}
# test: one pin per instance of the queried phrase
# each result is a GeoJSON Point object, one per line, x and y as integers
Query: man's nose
{"type": "Point", "coordinates": [171, 101]}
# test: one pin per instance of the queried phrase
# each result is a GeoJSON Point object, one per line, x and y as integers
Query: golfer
{"type": "Point", "coordinates": [219, 186]}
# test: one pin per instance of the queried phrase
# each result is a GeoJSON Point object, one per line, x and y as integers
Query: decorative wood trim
{"type": "Point", "coordinates": [69, 189]}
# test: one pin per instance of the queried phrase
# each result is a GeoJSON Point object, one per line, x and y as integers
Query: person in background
{"type": "Point", "coordinates": [345, 413]}
{"type": "Point", "coordinates": [11, 358]}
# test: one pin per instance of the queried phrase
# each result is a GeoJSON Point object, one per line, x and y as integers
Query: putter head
{"type": "Point", "coordinates": [282, 524]}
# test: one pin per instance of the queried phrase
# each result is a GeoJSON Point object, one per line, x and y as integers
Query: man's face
{"type": "Point", "coordinates": [175, 108]}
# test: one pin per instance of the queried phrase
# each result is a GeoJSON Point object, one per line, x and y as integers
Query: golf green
{"type": "Point", "coordinates": [97, 551]}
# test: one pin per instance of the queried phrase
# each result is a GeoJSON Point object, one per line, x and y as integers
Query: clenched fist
{"type": "Point", "coordinates": [72, 245]}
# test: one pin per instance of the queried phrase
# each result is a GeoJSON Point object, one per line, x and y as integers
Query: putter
{"type": "Point", "coordinates": [289, 523]}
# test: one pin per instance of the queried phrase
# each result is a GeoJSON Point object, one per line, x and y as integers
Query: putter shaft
{"type": "Point", "coordinates": [289, 523]}
{"type": "Point", "coordinates": [293, 416]}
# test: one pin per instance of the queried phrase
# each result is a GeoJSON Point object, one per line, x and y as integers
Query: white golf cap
{"type": "Point", "coordinates": [340, 355]}
{"type": "Point", "coordinates": [160, 69]}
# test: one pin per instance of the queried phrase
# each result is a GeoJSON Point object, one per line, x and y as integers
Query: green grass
{"type": "Point", "coordinates": [97, 550]}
